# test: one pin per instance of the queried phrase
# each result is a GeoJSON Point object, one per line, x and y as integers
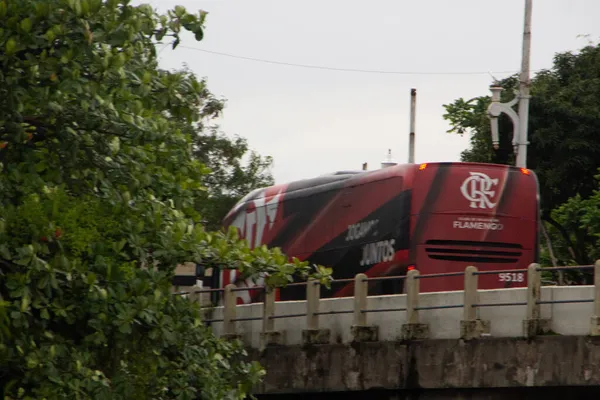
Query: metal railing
{"type": "Point", "coordinates": [471, 325]}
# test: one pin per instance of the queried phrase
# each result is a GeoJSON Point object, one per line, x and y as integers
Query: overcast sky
{"type": "Point", "coordinates": [315, 121]}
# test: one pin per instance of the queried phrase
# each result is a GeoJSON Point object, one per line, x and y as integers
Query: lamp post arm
{"type": "Point", "coordinates": [495, 109]}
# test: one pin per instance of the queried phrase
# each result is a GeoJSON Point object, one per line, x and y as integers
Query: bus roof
{"type": "Point", "coordinates": [326, 181]}
{"type": "Point", "coordinates": [338, 179]}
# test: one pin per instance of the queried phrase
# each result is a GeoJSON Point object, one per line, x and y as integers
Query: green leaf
{"type": "Point", "coordinates": [11, 46]}
{"type": "Point", "coordinates": [26, 25]}
{"type": "Point", "coordinates": [115, 144]}
{"type": "Point", "coordinates": [50, 35]}
{"type": "Point", "coordinates": [25, 303]}
{"type": "Point", "coordinates": [125, 328]}
{"type": "Point", "coordinates": [85, 7]}
{"type": "Point", "coordinates": [5, 252]}
{"type": "Point", "coordinates": [43, 282]}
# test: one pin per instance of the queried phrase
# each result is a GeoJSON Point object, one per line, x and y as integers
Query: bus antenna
{"type": "Point", "coordinates": [389, 162]}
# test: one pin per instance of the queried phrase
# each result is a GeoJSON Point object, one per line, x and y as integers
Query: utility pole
{"type": "Point", "coordinates": [520, 121]}
{"type": "Point", "coordinates": [524, 89]}
{"type": "Point", "coordinates": [411, 135]}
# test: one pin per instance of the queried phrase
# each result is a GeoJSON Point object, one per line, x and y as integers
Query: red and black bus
{"type": "Point", "coordinates": [435, 217]}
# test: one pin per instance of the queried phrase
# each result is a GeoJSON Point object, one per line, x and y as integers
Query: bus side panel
{"type": "Point", "coordinates": [371, 224]}
{"type": "Point", "coordinates": [358, 228]}
{"type": "Point", "coordinates": [376, 245]}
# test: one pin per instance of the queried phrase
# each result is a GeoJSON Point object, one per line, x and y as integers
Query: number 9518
{"type": "Point", "coordinates": [511, 277]}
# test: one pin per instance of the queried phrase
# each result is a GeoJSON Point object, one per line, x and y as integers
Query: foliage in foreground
{"type": "Point", "coordinates": [98, 187]}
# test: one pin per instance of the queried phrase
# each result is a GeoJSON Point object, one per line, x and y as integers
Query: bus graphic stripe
{"type": "Point", "coordinates": [433, 194]}
{"type": "Point", "coordinates": [324, 229]}
{"type": "Point", "coordinates": [381, 269]}
{"type": "Point", "coordinates": [504, 197]}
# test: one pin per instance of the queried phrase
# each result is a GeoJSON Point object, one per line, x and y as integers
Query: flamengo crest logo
{"type": "Point", "coordinates": [477, 188]}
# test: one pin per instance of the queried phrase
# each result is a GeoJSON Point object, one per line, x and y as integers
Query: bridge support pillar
{"type": "Point", "coordinates": [272, 338]}
{"type": "Point", "coordinates": [361, 330]}
{"type": "Point", "coordinates": [229, 314]}
{"type": "Point", "coordinates": [365, 333]}
{"type": "Point", "coordinates": [269, 336]}
{"type": "Point", "coordinates": [471, 327]}
{"type": "Point", "coordinates": [415, 331]}
{"type": "Point", "coordinates": [534, 325]}
{"type": "Point", "coordinates": [316, 336]}
{"type": "Point", "coordinates": [595, 326]}
{"type": "Point", "coordinates": [595, 320]}
{"type": "Point", "coordinates": [231, 336]}
{"type": "Point", "coordinates": [313, 334]}
{"type": "Point", "coordinates": [474, 329]}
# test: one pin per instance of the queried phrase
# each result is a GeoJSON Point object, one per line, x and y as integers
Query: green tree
{"type": "Point", "coordinates": [564, 120]}
{"type": "Point", "coordinates": [230, 178]}
{"type": "Point", "coordinates": [98, 189]}
{"type": "Point", "coordinates": [580, 218]}
{"type": "Point", "coordinates": [470, 117]}
{"type": "Point", "coordinates": [235, 170]}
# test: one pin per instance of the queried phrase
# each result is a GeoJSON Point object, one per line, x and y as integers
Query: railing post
{"type": "Point", "coordinates": [413, 329]}
{"type": "Point", "coordinates": [413, 288]}
{"type": "Point", "coordinates": [361, 291]}
{"type": "Point", "coordinates": [470, 294]}
{"type": "Point", "coordinates": [361, 332]}
{"type": "Point", "coordinates": [471, 327]}
{"type": "Point", "coordinates": [196, 297]}
{"type": "Point", "coordinates": [534, 324]}
{"type": "Point", "coordinates": [534, 284]}
{"type": "Point", "coordinates": [269, 310]}
{"type": "Point", "coordinates": [269, 336]}
{"type": "Point", "coordinates": [595, 320]}
{"type": "Point", "coordinates": [312, 334]}
{"type": "Point", "coordinates": [312, 304]}
{"type": "Point", "coordinates": [229, 312]}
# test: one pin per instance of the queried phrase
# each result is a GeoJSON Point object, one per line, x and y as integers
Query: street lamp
{"type": "Point", "coordinates": [496, 108]}
{"type": "Point", "coordinates": [522, 97]}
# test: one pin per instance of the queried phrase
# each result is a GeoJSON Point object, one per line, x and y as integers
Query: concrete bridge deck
{"type": "Point", "coordinates": [471, 343]}
{"type": "Point", "coordinates": [442, 366]}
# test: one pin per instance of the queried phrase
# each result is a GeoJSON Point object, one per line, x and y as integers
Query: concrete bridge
{"type": "Point", "coordinates": [471, 343]}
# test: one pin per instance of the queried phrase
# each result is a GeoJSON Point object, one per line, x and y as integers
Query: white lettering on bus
{"type": "Point", "coordinates": [511, 277]}
{"type": "Point", "coordinates": [263, 212]}
{"type": "Point", "coordinates": [360, 230]}
{"type": "Point", "coordinates": [492, 226]}
{"type": "Point", "coordinates": [374, 253]}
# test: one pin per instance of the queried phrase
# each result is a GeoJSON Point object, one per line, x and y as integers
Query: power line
{"type": "Point", "coordinates": [322, 67]}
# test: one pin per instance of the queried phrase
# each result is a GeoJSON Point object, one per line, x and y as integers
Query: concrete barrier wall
{"type": "Point", "coordinates": [506, 321]}
{"type": "Point", "coordinates": [572, 318]}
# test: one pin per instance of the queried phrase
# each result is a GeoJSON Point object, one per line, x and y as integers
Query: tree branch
{"type": "Point", "coordinates": [546, 217]}
{"type": "Point", "coordinates": [561, 274]}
